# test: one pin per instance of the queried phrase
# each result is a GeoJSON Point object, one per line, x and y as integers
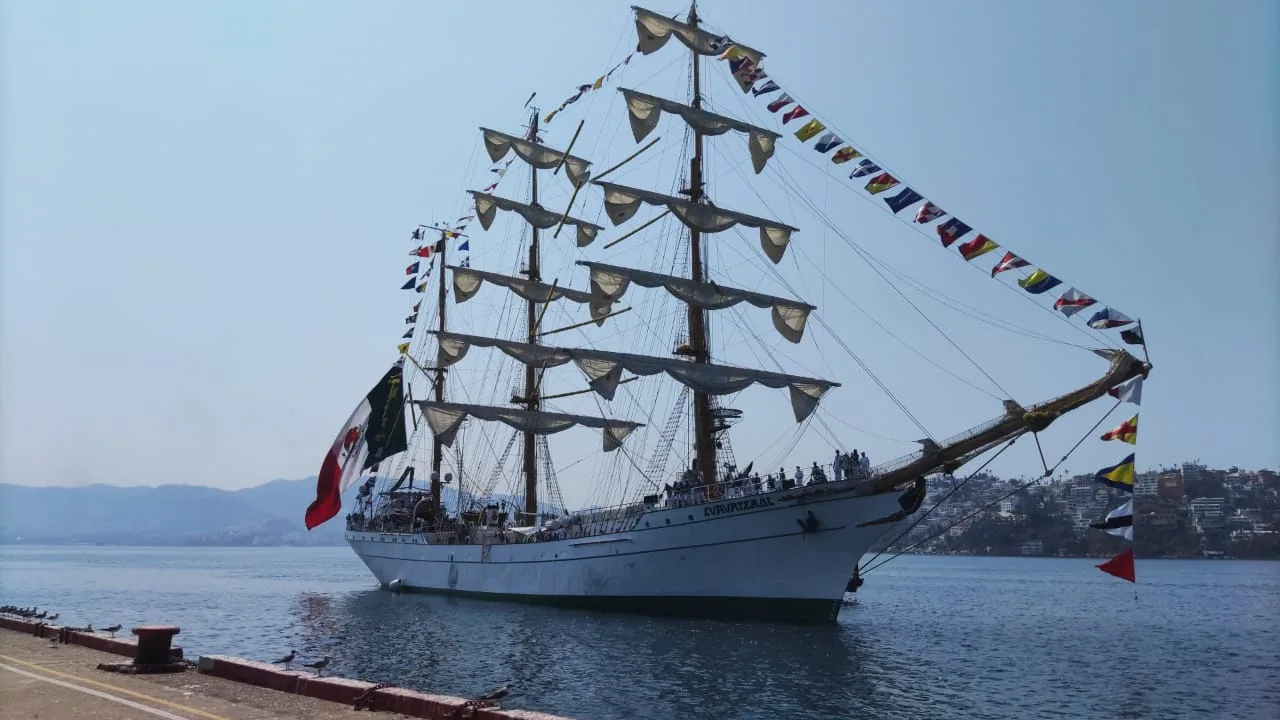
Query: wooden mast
{"type": "Point", "coordinates": [437, 449]}
{"type": "Point", "coordinates": [703, 425]}
{"type": "Point", "coordinates": [530, 376]}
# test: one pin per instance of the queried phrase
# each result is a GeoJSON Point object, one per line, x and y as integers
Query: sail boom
{"type": "Point", "coordinates": [467, 282]}
{"type": "Point", "coordinates": [622, 202]}
{"type": "Point", "coordinates": [487, 207]}
{"type": "Point", "coordinates": [655, 30]}
{"type": "Point", "coordinates": [498, 144]}
{"type": "Point", "coordinates": [645, 111]}
{"type": "Point", "coordinates": [446, 418]}
{"type": "Point", "coordinates": [610, 282]}
{"type": "Point", "coordinates": [604, 369]}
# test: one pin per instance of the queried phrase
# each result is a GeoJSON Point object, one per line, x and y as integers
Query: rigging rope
{"type": "Point", "coordinates": [901, 406]}
{"type": "Point", "coordinates": [941, 500]}
{"type": "Point", "coordinates": [756, 260]}
{"type": "Point", "coordinates": [984, 508]}
{"type": "Point", "coordinates": [860, 252]}
{"type": "Point", "coordinates": [947, 301]}
{"type": "Point", "coordinates": [920, 230]}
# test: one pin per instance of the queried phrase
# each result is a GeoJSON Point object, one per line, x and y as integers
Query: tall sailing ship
{"type": "Point", "coordinates": [687, 531]}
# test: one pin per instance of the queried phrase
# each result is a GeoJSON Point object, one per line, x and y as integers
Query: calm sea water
{"type": "Point", "coordinates": [930, 637]}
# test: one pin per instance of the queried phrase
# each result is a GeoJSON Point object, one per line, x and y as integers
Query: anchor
{"type": "Point", "coordinates": [809, 524]}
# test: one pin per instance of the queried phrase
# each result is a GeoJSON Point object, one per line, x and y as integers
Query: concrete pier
{"type": "Point", "coordinates": [39, 679]}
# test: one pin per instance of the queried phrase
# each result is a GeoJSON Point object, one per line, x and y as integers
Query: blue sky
{"type": "Point", "coordinates": [203, 210]}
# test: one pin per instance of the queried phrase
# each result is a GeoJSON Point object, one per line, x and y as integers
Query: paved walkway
{"type": "Point", "coordinates": [39, 682]}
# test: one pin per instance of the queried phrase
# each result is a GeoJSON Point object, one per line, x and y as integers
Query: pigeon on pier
{"type": "Point", "coordinates": [495, 694]}
{"type": "Point", "coordinates": [286, 659]}
{"type": "Point", "coordinates": [318, 665]}
{"type": "Point", "coordinates": [490, 699]}
{"type": "Point", "coordinates": [113, 629]}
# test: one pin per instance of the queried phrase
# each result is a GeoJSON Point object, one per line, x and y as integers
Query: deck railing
{"type": "Point", "coordinates": [602, 520]}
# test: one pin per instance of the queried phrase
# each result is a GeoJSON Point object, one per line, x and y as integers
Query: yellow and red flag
{"type": "Point", "coordinates": [1126, 432]}
{"type": "Point", "coordinates": [980, 245]}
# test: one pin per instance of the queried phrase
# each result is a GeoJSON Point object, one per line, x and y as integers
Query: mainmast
{"type": "Point", "coordinates": [437, 448]}
{"type": "Point", "coordinates": [703, 426]}
{"type": "Point", "coordinates": [530, 374]}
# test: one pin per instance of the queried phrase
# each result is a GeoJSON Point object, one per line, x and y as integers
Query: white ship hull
{"type": "Point", "coordinates": [746, 557]}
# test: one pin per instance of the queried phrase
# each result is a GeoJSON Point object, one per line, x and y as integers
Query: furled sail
{"type": "Point", "coordinates": [540, 156]}
{"type": "Point", "coordinates": [444, 419]}
{"type": "Point", "coordinates": [467, 281]}
{"type": "Point", "coordinates": [487, 207]}
{"type": "Point", "coordinates": [611, 281]}
{"type": "Point", "coordinates": [645, 110]}
{"type": "Point", "coordinates": [604, 369]}
{"type": "Point", "coordinates": [654, 31]}
{"type": "Point", "coordinates": [621, 203]}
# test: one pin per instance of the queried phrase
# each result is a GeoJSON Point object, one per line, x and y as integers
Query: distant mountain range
{"type": "Point", "coordinates": [268, 514]}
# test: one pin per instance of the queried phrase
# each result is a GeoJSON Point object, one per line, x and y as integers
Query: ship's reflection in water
{"type": "Point", "coordinates": [598, 665]}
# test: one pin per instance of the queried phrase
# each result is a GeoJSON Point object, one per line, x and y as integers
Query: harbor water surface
{"type": "Point", "coordinates": [929, 637]}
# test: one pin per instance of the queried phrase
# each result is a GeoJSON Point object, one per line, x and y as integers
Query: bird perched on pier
{"type": "Point", "coordinates": [286, 659]}
{"type": "Point", "coordinates": [53, 617]}
{"type": "Point", "coordinates": [113, 629]}
{"type": "Point", "coordinates": [318, 665]}
{"type": "Point", "coordinates": [495, 694]}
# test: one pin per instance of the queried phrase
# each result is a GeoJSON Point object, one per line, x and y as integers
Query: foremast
{"type": "Point", "coordinates": [703, 433]}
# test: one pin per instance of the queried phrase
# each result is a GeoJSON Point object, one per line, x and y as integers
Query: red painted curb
{"type": "Point", "coordinates": [127, 647]}
{"type": "Point", "coordinates": [274, 677]}
{"type": "Point", "coordinates": [105, 643]}
{"type": "Point", "coordinates": [250, 672]}
{"type": "Point", "coordinates": [416, 704]}
{"type": "Point", "coordinates": [333, 689]}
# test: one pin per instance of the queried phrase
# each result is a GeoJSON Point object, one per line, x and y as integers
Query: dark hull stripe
{"type": "Point", "coordinates": [796, 610]}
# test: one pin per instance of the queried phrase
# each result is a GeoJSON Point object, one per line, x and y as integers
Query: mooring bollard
{"type": "Point", "coordinates": [154, 644]}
